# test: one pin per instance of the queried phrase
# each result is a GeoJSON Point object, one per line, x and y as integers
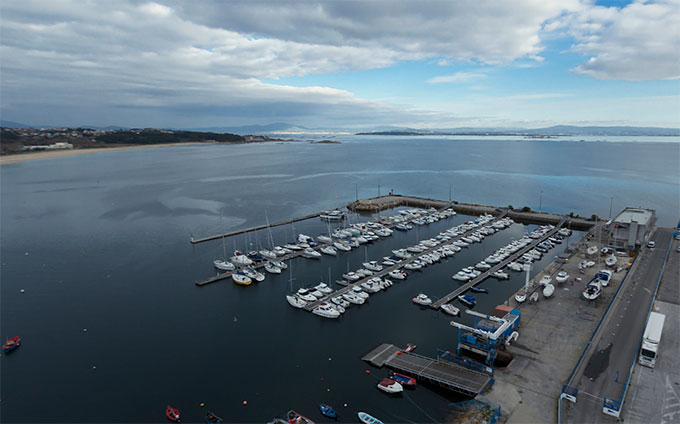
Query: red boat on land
{"type": "Point", "coordinates": [410, 348]}
{"type": "Point", "coordinates": [11, 344]}
{"type": "Point", "coordinates": [172, 414]}
{"type": "Point", "coordinates": [402, 379]}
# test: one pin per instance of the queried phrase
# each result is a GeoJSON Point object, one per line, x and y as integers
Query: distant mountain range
{"type": "Point", "coordinates": [283, 128]}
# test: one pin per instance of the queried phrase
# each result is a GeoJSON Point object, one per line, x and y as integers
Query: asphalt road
{"type": "Point", "coordinates": [606, 368]}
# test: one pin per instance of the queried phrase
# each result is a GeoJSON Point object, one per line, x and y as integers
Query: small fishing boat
{"type": "Point", "coordinates": [211, 418]}
{"type": "Point", "coordinates": [479, 289]}
{"type": "Point", "coordinates": [545, 280]}
{"type": "Point", "coordinates": [422, 299]}
{"type": "Point", "coordinates": [296, 418]}
{"type": "Point", "coordinates": [172, 414]}
{"type": "Point", "coordinates": [402, 379]}
{"type": "Point", "coordinates": [373, 266]}
{"type": "Point", "coordinates": [410, 348]}
{"type": "Point", "coordinates": [328, 411]}
{"type": "Point", "coordinates": [310, 253]}
{"type": "Point", "coordinates": [548, 290]}
{"type": "Point", "coordinates": [468, 300]}
{"type": "Point", "coordinates": [388, 385]}
{"type": "Point", "coordinates": [367, 419]}
{"type": "Point", "coordinates": [450, 309]}
{"type": "Point", "coordinates": [520, 296]}
{"type": "Point", "coordinates": [610, 261]}
{"type": "Point", "coordinates": [11, 344]}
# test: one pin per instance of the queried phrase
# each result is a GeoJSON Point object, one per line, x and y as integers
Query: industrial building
{"type": "Point", "coordinates": [631, 228]}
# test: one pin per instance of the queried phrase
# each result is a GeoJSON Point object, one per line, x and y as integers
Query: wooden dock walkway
{"type": "Point", "coordinates": [447, 374]}
{"type": "Point", "coordinates": [387, 270]}
{"type": "Point", "coordinates": [251, 229]}
{"type": "Point", "coordinates": [486, 274]}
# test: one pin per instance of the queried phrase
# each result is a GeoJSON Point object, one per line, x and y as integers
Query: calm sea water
{"type": "Point", "coordinates": [101, 242]}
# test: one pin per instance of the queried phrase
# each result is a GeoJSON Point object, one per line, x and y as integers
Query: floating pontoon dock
{"type": "Point", "coordinates": [486, 274]}
{"type": "Point", "coordinates": [438, 371]}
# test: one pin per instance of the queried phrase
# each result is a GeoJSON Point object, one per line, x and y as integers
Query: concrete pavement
{"type": "Point", "coordinates": [604, 371]}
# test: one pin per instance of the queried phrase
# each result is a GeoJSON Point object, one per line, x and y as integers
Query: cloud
{"type": "Point", "coordinates": [458, 77]}
{"type": "Point", "coordinates": [637, 42]}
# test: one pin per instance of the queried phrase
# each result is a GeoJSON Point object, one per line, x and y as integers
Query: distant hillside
{"type": "Point", "coordinates": [558, 130]}
{"type": "Point", "coordinates": [255, 129]}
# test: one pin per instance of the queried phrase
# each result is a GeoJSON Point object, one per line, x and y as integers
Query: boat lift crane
{"type": "Point", "coordinates": [488, 334]}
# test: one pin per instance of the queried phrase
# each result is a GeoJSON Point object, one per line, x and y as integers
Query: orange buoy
{"type": "Point", "coordinates": [368, 371]}
{"type": "Point", "coordinates": [245, 402]}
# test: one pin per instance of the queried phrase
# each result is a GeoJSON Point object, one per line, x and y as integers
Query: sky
{"type": "Point", "coordinates": [340, 64]}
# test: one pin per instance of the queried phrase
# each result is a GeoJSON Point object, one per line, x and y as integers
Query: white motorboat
{"type": "Point", "coordinates": [241, 278]}
{"type": "Point", "coordinates": [592, 290]}
{"type": "Point", "coordinates": [413, 266]}
{"type": "Point", "coordinates": [520, 296]}
{"type": "Point", "coordinates": [415, 249]}
{"type": "Point", "coordinates": [460, 243]}
{"type": "Point", "coordinates": [271, 268]}
{"type": "Point", "coordinates": [561, 277]}
{"type": "Point", "coordinates": [357, 291]}
{"type": "Point", "coordinates": [401, 253]}
{"type": "Point", "coordinates": [371, 286]}
{"type": "Point", "coordinates": [388, 385]}
{"type": "Point", "coordinates": [306, 295]}
{"type": "Point", "coordinates": [604, 276]}
{"type": "Point", "coordinates": [482, 266]}
{"type": "Point", "coordinates": [279, 264]}
{"type": "Point", "coordinates": [610, 261]}
{"type": "Point", "coordinates": [281, 251]}
{"type": "Point", "coordinates": [591, 251]}
{"type": "Point", "coordinates": [295, 301]}
{"type": "Point", "coordinates": [303, 238]}
{"type": "Point", "coordinates": [353, 298]}
{"type": "Point", "coordinates": [422, 299]}
{"type": "Point", "coordinates": [398, 275]}
{"type": "Point", "coordinates": [352, 276]}
{"type": "Point", "coordinates": [329, 250]}
{"type": "Point", "coordinates": [325, 239]}
{"type": "Point", "coordinates": [342, 246]}
{"type": "Point", "coordinates": [388, 262]}
{"type": "Point", "coordinates": [461, 276]}
{"type": "Point", "coordinates": [338, 300]}
{"type": "Point", "coordinates": [239, 259]}
{"type": "Point", "coordinates": [293, 246]}
{"type": "Point", "coordinates": [310, 253]}
{"type": "Point", "coordinates": [548, 290]}
{"type": "Point", "coordinates": [589, 264]}
{"type": "Point", "coordinates": [268, 254]}
{"type": "Point", "coordinates": [223, 265]}
{"type": "Point", "coordinates": [324, 288]}
{"type": "Point", "coordinates": [364, 272]}
{"type": "Point", "coordinates": [545, 280]}
{"type": "Point", "coordinates": [373, 266]}
{"type": "Point", "coordinates": [500, 275]}
{"type": "Point", "coordinates": [253, 274]}
{"type": "Point", "coordinates": [450, 309]}
{"type": "Point", "coordinates": [326, 310]}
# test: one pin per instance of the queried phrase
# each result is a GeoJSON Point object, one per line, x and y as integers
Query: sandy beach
{"type": "Point", "coordinates": [21, 157]}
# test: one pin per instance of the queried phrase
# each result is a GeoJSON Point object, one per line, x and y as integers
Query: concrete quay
{"type": "Point", "coordinates": [552, 335]}
{"type": "Point", "coordinates": [605, 368]}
